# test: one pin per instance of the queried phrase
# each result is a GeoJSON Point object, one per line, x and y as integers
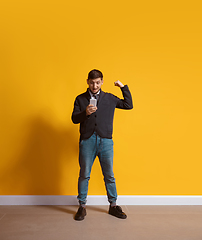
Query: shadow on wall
{"type": "Point", "coordinates": [47, 156]}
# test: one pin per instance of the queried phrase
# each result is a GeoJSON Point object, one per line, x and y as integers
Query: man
{"type": "Point", "coordinates": [96, 127]}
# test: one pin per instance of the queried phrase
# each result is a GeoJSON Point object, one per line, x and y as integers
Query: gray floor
{"type": "Point", "coordinates": [143, 223]}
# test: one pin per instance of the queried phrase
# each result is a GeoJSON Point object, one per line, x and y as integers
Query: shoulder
{"type": "Point", "coordinates": [107, 94]}
{"type": "Point", "coordinates": [83, 95]}
{"type": "Point", "coordinates": [110, 97]}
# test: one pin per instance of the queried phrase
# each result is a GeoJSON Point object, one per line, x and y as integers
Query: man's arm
{"type": "Point", "coordinates": [127, 102]}
{"type": "Point", "coordinates": [79, 116]}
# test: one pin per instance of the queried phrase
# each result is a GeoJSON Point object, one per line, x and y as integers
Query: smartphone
{"type": "Point", "coordinates": [93, 102]}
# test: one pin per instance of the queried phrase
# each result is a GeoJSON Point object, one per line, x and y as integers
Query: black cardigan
{"type": "Point", "coordinates": [100, 121]}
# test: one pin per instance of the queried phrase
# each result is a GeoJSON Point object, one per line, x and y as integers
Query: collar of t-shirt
{"type": "Point", "coordinates": [93, 95]}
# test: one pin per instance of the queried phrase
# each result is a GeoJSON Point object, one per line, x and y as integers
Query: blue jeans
{"type": "Point", "coordinates": [88, 150]}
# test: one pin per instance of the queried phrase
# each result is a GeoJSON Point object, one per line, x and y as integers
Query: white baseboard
{"type": "Point", "coordinates": [100, 200]}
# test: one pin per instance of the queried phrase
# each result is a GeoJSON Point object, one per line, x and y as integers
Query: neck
{"type": "Point", "coordinates": [94, 93]}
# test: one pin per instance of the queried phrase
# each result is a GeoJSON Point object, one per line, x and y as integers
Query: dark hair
{"type": "Point", "coordinates": [93, 74]}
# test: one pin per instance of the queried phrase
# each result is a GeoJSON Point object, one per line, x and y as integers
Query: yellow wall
{"type": "Point", "coordinates": [47, 49]}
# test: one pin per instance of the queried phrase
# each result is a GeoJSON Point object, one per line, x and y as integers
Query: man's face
{"type": "Point", "coordinates": [95, 84]}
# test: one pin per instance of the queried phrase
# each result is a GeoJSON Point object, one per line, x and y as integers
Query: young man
{"type": "Point", "coordinates": [96, 127]}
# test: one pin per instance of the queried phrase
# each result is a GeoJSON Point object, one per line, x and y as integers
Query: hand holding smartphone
{"type": "Point", "coordinates": [93, 102]}
{"type": "Point", "coordinates": [91, 108]}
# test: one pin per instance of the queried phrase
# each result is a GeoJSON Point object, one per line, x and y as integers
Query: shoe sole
{"type": "Point", "coordinates": [121, 217]}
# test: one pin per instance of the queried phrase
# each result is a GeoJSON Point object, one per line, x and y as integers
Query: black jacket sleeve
{"type": "Point", "coordinates": [78, 116]}
{"type": "Point", "coordinates": [127, 102]}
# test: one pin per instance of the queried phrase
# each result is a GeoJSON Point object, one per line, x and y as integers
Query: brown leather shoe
{"type": "Point", "coordinates": [81, 213]}
{"type": "Point", "coordinates": [117, 212]}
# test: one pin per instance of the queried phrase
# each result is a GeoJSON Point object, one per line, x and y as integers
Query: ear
{"type": "Point", "coordinates": [87, 81]}
{"type": "Point", "coordinates": [102, 81]}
